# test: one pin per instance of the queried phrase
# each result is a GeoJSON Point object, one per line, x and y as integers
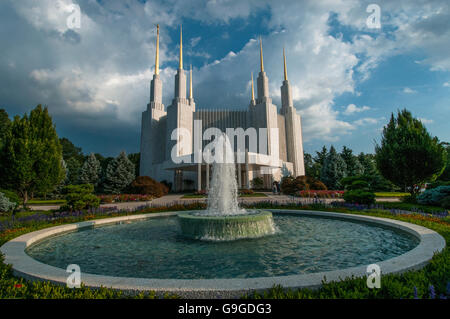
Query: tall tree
{"type": "Point", "coordinates": [119, 174]}
{"type": "Point", "coordinates": [408, 155]}
{"type": "Point", "coordinates": [5, 129]}
{"type": "Point", "coordinates": [321, 156]}
{"type": "Point", "coordinates": [73, 171]}
{"type": "Point", "coordinates": [354, 167]}
{"type": "Point", "coordinates": [5, 126]}
{"type": "Point", "coordinates": [69, 150]}
{"type": "Point", "coordinates": [32, 154]}
{"type": "Point", "coordinates": [445, 176]}
{"type": "Point", "coordinates": [333, 170]}
{"type": "Point", "coordinates": [90, 172]}
{"type": "Point", "coordinates": [135, 158]}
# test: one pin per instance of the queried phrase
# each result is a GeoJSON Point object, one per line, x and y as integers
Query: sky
{"type": "Point", "coordinates": [346, 76]}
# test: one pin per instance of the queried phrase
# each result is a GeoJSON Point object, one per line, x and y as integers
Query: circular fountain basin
{"type": "Point", "coordinates": [226, 228]}
{"type": "Point", "coordinates": [147, 253]}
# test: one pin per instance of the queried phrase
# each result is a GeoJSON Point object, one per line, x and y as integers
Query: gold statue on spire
{"type": "Point", "coordinates": [285, 68]}
{"type": "Point", "coordinates": [181, 48]}
{"type": "Point", "coordinates": [261, 54]}
{"type": "Point", "coordinates": [157, 51]}
{"type": "Point", "coordinates": [191, 93]}
{"type": "Point", "coordinates": [253, 89]}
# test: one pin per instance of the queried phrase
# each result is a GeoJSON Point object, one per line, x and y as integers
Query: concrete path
{"type": "Point", "coordinates": [178, 198]}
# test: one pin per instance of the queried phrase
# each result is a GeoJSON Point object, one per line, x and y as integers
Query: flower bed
{"type": "Point", "coordinates": [321, 194]}
{"type": "Point", "coordinates": [122, 198]}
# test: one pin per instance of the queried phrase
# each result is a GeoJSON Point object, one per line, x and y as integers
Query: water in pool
{"type": "Point", "coordinates": [154, 248]}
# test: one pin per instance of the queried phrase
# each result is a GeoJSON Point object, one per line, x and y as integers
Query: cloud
{"type": "Point", "coordinates": [366, 121]}
{"type": "Point", "coordinates": [195, 41]}
{"type": "Point", "coordinates": [446, 84]}
{"type": "Point", "coordinates": [408, 90]}
{"type": "Point", "coordinates": [102, 71]}
{"type": "Point", "coordinates": [352, 108]}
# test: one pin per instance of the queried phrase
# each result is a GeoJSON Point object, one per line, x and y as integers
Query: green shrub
{"type": "Point", "coordinates": [292, 186]}
{"type": "Point", "coordinates": [359, 184]}
{"type": "Point", "coordinates": [434, 196]}
{"type": "Point", "coordinates": [145, 185]}
{"type": "Point", "coordinates": [80, 197]}
{"type": "Point", "coordinates": [359, 196]}
{"type": "Point", "coordinates": [12, 196]}
{"type": "Point", "coordinates": [257, 183]}
{"type": "Point", "coordinates": [410, 199]}
{"type": "Point", "coordinates": [5, 204]}
{"type": "Point", "coordinates": [445, 202]}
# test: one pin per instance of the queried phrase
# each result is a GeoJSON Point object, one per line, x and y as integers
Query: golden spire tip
{"type": "Point", "coordinates": [157, 51]}
{"type": "Point", "coordinates": [261, 54]}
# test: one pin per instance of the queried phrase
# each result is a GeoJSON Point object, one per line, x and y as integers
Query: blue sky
{"type": "Point", "coordinates": [346, 77]}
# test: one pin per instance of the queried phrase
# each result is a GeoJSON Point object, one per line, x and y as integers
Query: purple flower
{"type": "Point", "coordinates": [432, 292]}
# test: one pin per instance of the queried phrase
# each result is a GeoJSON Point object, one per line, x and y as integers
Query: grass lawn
{"type": "Point", "coordinates": [391, 194]}
{"type": "Point", "coordinates": [412, 207]}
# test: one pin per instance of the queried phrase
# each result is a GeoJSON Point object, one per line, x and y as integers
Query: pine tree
{"type": "Point", "coordinates": [90, 171]}
{"type": "Point", "coordinates": [333, 170]}
{"type": "Point", "coordinates": [119, 174]}
{"type": "Point", "coordinates": [354, 167]}
{"type": "Point", "coordinates": [408, 155]}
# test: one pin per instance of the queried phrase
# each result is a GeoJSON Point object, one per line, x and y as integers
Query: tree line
{"type": "Point", "coordinates": [34, 161]}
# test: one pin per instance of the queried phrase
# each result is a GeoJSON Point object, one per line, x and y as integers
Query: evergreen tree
{"type": "Point", "coordinates": [333, 170]}
{"type": "Point", "coordinates": [32, 155]}
{"type": "Point", "coordinates": [5, 129]}
{"type": "Point", "coordinates": [408, 155]}
{"type": "Point", "coordinates": [321, 156]}
{"type": "Point", "coordinates": [90, 172]}
{"type": "Point", "coordinates": [135, 158]}
{"type": "Point", "coordinates": [73, 171]}
{"type": "Point", "coordinates": [119, 174]}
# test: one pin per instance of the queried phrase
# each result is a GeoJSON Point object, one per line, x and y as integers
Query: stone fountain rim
{"type": "Point", "coordinates": [260, 214]}
{"type": "Point", "coordinates": [25, 266]}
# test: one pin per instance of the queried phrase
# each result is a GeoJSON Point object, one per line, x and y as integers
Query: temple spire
{"type": "Point", "coordinates": [285, 68]}
{"type": "Point", "coordinates": [253, 89]}
{"type": "Point", "coordinates": [191, 93]}
{"type": "Point", "coordinates": [261, 54]}
{"type": "Point", "coordinates": [157, 51]}
{"type": "Point", "coordinates": [181, 48]}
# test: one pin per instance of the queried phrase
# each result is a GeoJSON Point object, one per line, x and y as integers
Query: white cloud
{"type": "Point", "coordinates": [352, 108]}
{"type": "Point", "coordinates": [408, 90]}
{"type": "Point", "coordinates": [109, 68]}
{"type": "Point", "coordinates": [195, 41]}
{"type": "Point", "coordinates": [446, 84]}
{"type": "Point", "coordinates": [366, 121]}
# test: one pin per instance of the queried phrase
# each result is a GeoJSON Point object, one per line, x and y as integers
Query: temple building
{"type": "Point", "coordinates": [282, 155]}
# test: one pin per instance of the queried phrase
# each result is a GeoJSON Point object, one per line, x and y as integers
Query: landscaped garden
{"type": "Point", "coordinates": [433, 281]}
{"type": "Point", "coordinates": [55, 173]}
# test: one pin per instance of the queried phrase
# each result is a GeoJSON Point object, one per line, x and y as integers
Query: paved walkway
{"type": "Point", "coordinates": [178, 198]}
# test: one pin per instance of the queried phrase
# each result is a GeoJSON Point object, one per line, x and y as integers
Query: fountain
{"type": "Point", "coordinates": [224, 220]}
